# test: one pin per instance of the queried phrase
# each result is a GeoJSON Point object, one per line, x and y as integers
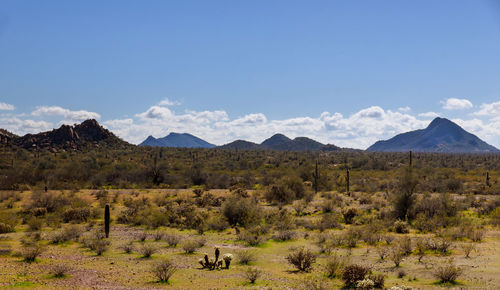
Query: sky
{"type": "Point", "coordinates": [346, 72]}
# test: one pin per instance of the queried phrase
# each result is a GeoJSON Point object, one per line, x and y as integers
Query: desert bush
{"type": "Point", "coordinates": [299, 206]}
{"type": "Point", "coordinates": [286, 190]}
{"type": "Point", "coordinates": [59, 270]}
{"type": "Point", "coordinates": [284, 235]}
{"type": "Point", "coordinates": [95, 242]}
{"type": "Point", "coordinates": [353, 273]}
{"type": "Point", "coordinates": [241, 211]}
{"type": "Point", "coordinates": [449, 272]}
{"type": "Point", "coordinates": [252, 236]}
{"type": "Point", "coordinates": [401, 227]}
{"type": "Point", "coordinates": [172, 239]}
{"type": "Point", "coordinates": [349, 214]}
{"type": "Point", "coordinates": [378, 280]}
{"type": "Point", "coordinates": [468, 248]}
{"type": "Point", "coordinates": [68, 233]}
{"type": "Point", "coordinates": [79, 214]}
{"type": "Point", "coordinates": [404, 196]}
{"type": "Point", "coordinates": [388, 239]}
{"type": "Point", "coordinates": [301, 258]}
{"type": "Point", "coordinates": [246, 257]}
{"type": "Point", "coordinates": [382, 251]}
{"type": "Point", "coordinates": [147, 250]}
{"type": "Point", "coordinates": [190, 245]}
{"type": "Point", "coordinates": [421, 246]}
{"type": "Point", "coordinates": [252, 274]}
{"type": "Point", "coordinates": [334, 266]}
{"type": "Point", "coordinates": [365, 284]}
{"type": "Point", "coordinates": [31, 251]}
{"type": "Point", "coordinates": [331, 220]}
{"type": "Point", "coordinates": [128, 247]}
{"type": "Point", "coordinates": [440, 245]}
{"type": "Point", "coordinates": [397, 255]}
{"type": "Point", "coordinates": [158, 235]}
{"type": "Point", "coordinates": [142, 236]}
{"type": "Point", "coordinates": [163, 270]}
{"type": "Point", "coordinates": [35, 224]}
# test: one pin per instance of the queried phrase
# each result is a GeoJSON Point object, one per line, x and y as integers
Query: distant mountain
{"type": "Point", "coordinates": [242, 145]}
{"type": "Point", "coordinates": [184, 140]}
{"type": "Point", "coordinates": [442, 135]}
{"type": "Point", "coordinates": [280, 142]}
{"type": "Point", "coordinates": [88, 134]}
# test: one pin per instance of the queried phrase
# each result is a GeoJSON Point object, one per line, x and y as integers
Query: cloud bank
{"type": "Point", "coordinates": [357, 130]}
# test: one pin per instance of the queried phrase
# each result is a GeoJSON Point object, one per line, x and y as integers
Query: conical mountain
{"type": "Point", "coordinates": [442, 135]}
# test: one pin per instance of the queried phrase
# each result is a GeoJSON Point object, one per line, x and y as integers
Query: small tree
{"type": "Point", "coordinates": [404, 198]}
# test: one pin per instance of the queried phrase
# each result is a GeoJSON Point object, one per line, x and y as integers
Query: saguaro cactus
{"type": "Point", "coordinates": [316, 178]}
{"type": "Point", "coordinates": [488, 179]}
{"type": "Point", "coordinates": [347, 179]}
{"type": "Point", "coordinates": [411, 158]}
{"type": "Point", "coordinates": [106, 220]}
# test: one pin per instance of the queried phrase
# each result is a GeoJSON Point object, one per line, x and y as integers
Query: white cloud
{"type": "Point", "coordinates": [492, 109]}
{"type": "Point", "coordinates": [428, 115]}
{"type": "Point", "coordinates": [167, 103]}
{"type": "Point", "coordinates": [21, 127]}
{"type": "Point", "coordinates": [404, 109]}
{"type": "Point", "coordinates": [69, 115]}
{"type": "Point", "coordinates": [456, 104]}
{"type": "Point", "coordinates": [358, 130]}
{"type": "Point", "coordinates": [6, 107]}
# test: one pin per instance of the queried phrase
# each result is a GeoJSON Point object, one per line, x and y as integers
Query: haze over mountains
{"type": "Point", "coordinates": [442, 135]}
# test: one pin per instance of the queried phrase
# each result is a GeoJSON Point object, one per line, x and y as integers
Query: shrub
{"type": "Point", "coordinates": [95, 241]}
{"type": "Point", "coordinates": [146, 250]}
{"type": "Point", "coordinates": [164, 270]}
{"type": "Point", "coordinates": [128, 248]}
{"type": "Point", "coordinates": [378, 280]}
{"type": "Point", "coordinates": [172, 239]}
{"type": "Point", "coordinates": [190, 246]}
{"type": "Point", "coordinates": [286, 190]}
{"type": "Point", "coordinates": [5, 228]}
{"type": "Point", "coordinates": [397, 256]}
{"type": "Point", "coordinates": [284, 235]}
{"type": "Point", "coordinates": [468, 248]}
{"type": "Point", "coordinates": [35, 224]}
{"type": "Point", "coordinates": [334, 266]}
{"type": "Point", "coordinates": [448, 272]}
{"type": "Point", "coordinates": [246, 257]}
{"type": "Point", "coordinates": [79, 214]}
{"type": "Point", "coordinates": [59, 270]}
{"type": "Point", "coordinates": [353, 273]}
{"type": "Point", "coordinates": [405, 245]}
{"type": "Point", "coordinates": [240, 211]}
{"type": "Point", "coordinates": [382, 251]}
{"type": "Point", "coordinates": [158, 235]}
{"type": "Point", "coordinates": [365, 284]}
{"type": "Point", "coordinates": [142, 236]}
{"type": "Point", "coordinates": [301, 258]}
{"type": "Point", "coordinates": [252, 274]}
{"type": "Point", "coordinates": [349, 215]}
{"type": "Point", "coordinates": [251, 236]}
{"type": "Point", "coordinates": [69, 233]}
{"type": "Point", "coordinates": [401, 227]}
{"type": "Point", "coordinates": [31, 251]}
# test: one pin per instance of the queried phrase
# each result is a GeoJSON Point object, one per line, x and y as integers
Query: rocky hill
{"type": "Point", "coordinates": [88, 134]}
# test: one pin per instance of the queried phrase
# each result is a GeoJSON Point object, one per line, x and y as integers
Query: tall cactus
{"type": "Point", "coordinates": [411, 159]}
{"type": "Point", "coordinates": [316, 178]}
{"type": "Point", "coordinates": [106, 220]}
{"type": "Point", "coordinates": [347, 180]}
{"type": "Point", "coordinates": [488, 179]}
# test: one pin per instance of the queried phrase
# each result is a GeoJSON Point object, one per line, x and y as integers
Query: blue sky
{"type": "Point", "coordinates": [344, 72]}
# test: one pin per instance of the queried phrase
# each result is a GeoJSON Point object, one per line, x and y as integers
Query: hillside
{"type": "Point", "coordinates": [442, 135]}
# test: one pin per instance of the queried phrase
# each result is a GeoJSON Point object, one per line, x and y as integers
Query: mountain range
{"type": "Point", "coordinates": [441, 135]}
